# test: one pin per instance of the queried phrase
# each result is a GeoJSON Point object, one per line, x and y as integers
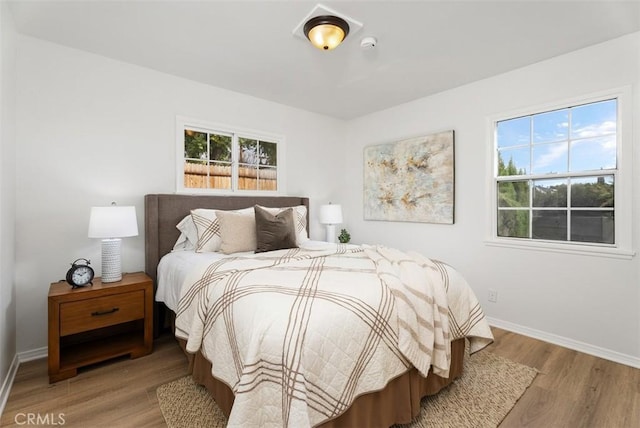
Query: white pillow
{"type": "Point", "coordinates": [237, 231]}
{"type": "Point", "coordinates": [208, 228]}
{"type": "Point", "coordinates": [188, 238]}
{"type": "Point", "coordinates": [299, 220]}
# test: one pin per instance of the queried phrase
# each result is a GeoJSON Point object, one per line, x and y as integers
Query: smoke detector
{"type": "Point", "coordinates": [368, 42]}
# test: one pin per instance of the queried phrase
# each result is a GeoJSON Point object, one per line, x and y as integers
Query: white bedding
{"type": "Point", "coordinates": [174, 267]}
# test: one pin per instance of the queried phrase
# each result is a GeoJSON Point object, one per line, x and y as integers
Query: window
{"type": "Point", "coordinates": [220, 159]}
{"type": "Point", "coordinates": [556, 176]}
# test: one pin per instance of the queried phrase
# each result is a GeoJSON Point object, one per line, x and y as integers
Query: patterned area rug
{"type": "Point", "coordinates": [485, 393]}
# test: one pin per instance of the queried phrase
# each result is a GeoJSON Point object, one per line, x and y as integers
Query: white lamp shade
{"type": "Point", "coordinates": [331, 214]}
{"type": "Point", "coordinates": [113, 222]}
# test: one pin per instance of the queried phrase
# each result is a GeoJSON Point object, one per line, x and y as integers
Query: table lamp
{"type": "Point", "coordinates": [112, 223]}
{"type": "Point", "coordinates": [330, 215]}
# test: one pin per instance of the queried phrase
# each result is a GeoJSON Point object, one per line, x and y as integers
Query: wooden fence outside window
{"type": "Point", "coordinates": [219, 177]}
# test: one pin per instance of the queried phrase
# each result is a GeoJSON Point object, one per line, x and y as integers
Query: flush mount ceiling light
{"type": "Point", "coordinates": [326, 32]}
{"type": "Point", "coordinates": [326, 28]}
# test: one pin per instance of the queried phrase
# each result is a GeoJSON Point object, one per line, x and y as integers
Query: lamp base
{"type": "Point", "coordinates": [331, 233]}
{"type": "Point", "coordinates": [111, 264]}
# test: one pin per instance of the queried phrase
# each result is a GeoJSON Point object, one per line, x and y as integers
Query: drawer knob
{"type": "Point", "coordinates": [110, 311]}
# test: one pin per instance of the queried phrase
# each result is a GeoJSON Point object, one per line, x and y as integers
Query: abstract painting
{"type": "Point", "coordinates": [410, 180]}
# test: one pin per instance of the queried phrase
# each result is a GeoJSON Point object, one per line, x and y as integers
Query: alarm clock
{"type": "Point", "coordinates": [80, 274]}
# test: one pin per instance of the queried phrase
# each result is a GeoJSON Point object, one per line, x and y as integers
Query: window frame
{"type": "Point", "coordinates": [236, 132]}
{"type": "Point", "coordinates": [622, 248]}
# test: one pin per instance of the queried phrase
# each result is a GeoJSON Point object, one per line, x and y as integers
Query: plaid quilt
{"type": "Point", "coordinates": [299, 334]}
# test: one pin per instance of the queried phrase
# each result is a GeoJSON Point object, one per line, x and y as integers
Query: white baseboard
{"type": "Point", "coordinates": [20, 357]}
{"type": "Point", "coordinates": [576, 345]}
{"type": "Point", "coordinates": [34, 354]}
{"type": "Point", "coordinates": [8, 383]}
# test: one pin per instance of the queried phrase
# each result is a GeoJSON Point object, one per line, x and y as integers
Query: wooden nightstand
{"type": "Point", "coordinates": [95, 323]}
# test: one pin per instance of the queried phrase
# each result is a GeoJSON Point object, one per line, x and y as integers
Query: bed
{"type": "Point", "coordinates": [391, 380]}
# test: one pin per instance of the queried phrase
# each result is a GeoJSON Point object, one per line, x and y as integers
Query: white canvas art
{"type": "Point", "coordinates": [410, 180]}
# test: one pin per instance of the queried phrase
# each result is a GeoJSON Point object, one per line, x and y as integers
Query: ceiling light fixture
{"type": "Point", "coordinates": [326, 32]}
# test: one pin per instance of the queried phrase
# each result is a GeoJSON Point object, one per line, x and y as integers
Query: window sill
{"type": "Point", "coordinates": [584, 250]}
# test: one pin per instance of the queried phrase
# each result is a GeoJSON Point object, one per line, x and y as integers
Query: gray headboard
{"type": "Point", "coordinates": [163, 212]}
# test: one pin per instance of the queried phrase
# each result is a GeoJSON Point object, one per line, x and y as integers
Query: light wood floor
{"type": "Point", "coordinates": [572, 389]}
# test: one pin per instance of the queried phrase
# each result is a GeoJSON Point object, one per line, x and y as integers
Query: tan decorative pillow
{"type": "Point", "coordinates": [274, 232]}
{"type": "Point", "coordinates": [208, 228]}
{"type": "Point", "coordinates": [237, 231]}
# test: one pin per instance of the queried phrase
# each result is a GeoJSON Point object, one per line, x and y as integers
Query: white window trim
{"type": "Point", "coordinates": [623, 184]}
{"type": "Point", "coordinates": [182, 122]}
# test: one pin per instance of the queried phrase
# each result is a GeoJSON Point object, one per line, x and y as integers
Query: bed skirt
{"type": "Point", "coordinates": [398, 402]}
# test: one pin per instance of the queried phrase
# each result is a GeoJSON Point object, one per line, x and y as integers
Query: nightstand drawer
{"type": "Point", "coordinates": [90, 314]}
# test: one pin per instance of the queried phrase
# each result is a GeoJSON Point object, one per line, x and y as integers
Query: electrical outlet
{"type": "Point", "coordinates": [493, 296]}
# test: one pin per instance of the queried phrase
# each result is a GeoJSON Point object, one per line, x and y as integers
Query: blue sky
{"type": "Point", "coordinates": [590, 141]}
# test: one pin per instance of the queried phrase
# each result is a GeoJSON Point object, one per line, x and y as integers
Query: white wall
{"type": "Point", "coordinates": [588, 300]}
{"type": "Point", "coordinates": [7, 197]}
{"type": "Point", "coordinates": [91, 130]}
